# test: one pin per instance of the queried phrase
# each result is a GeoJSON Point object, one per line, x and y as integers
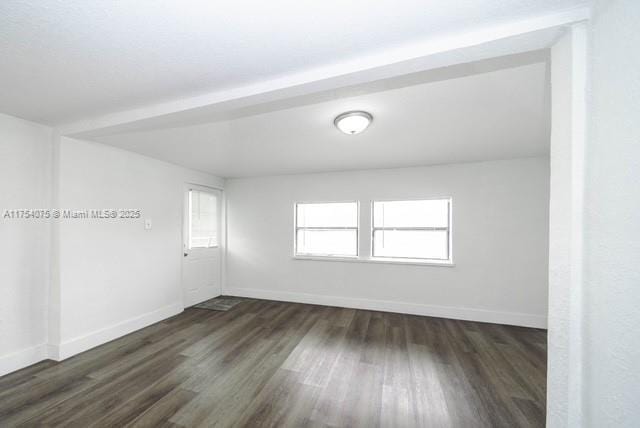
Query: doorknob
{"type": "Point", "coordinates": [186, 254]}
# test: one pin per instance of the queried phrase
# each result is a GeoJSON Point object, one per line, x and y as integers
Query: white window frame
{"type": "Point", "coordinates": [448, 260]}
{"type": "Point", "coordinates": [296, 254]}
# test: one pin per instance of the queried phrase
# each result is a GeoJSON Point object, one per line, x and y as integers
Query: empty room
{"type": "Point", "coordinates": [323, 214]}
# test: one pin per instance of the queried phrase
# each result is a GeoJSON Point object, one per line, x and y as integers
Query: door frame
{"type": "Point", "coordinates": [222, 231]}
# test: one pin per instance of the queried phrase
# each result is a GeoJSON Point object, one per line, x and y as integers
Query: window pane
{"type": "Point", "coordinates": [327, 242]}
{"type": "Point", "coordinates": [204, 219]}
{"type": "Point", "coordinates": [417, 244]}
{"type": "Point", "coordinates": [430, 213]}
{"type": "Point", "coordinates": [339, 214]}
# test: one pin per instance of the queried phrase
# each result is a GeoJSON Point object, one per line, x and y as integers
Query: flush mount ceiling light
{"type": "Point", "coordinates": [353, 122]}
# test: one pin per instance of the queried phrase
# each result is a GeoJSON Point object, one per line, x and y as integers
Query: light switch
{"type": "Point", "coordinates": [148, 224]}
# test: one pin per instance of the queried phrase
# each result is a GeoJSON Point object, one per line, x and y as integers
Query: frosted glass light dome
{"type": "Point", "coordinates": [353, 122]}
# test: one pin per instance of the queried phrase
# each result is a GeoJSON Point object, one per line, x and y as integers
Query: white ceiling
{"type": "Point", "coordinates": [489, 110]}
{"type": "Point", "coordinates": [66, 60]}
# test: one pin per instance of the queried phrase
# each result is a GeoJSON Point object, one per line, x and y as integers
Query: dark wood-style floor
{"type": "Point", "coordinates": [289, 365]}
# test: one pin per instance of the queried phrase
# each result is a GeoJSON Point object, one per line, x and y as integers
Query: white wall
{"type": "Point", "coordinates": [69, 285]}
{"type": "Point", "coordinates": [612, 219]}
{"type": "Point", "coordinates": [565, 333]}
{"type": "Point", "coordinates": [115, 276]}
{"type": "Point", "coordinates": [25, 151]}
{"type": "Point", "coordinates": [500, 245]}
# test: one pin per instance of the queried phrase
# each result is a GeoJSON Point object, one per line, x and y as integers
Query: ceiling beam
{"type": "Point", "coordinates": [505, 39]}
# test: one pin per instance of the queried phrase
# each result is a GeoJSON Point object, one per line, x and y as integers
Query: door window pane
{"type": "Point", "coordinates": [203, 222]}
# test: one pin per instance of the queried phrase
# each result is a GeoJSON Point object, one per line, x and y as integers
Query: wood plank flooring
{"type": "Point", "coordinates": [281, 364]}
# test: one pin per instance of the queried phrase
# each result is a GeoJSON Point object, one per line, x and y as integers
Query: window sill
{"type": "Point", "coordinates": [411, 262]}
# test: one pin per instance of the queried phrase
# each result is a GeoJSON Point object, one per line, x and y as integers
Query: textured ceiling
{"type": "Point", "coordinates": [63, 60]}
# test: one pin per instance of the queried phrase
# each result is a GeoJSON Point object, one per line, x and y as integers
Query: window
{"type": "Point", "coordinates": [412, 229]}
{"type": "Point", "coordinates": [327, 229]}
{"type": "Point", "coordinates": [203, 219]}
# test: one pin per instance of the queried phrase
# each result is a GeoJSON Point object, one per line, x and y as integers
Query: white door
{"type": "Point", "coordinates": [201, 264]}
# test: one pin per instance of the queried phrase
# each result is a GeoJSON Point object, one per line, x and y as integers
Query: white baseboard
{"type": "Point", "coordinates": [26, 357]}
{"type": "Point", "coordinates": [77, 345]}
{"type": "Point", "coordinates": [468, 314]}
{"type": "Point", "coordinates": [23, 358]}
